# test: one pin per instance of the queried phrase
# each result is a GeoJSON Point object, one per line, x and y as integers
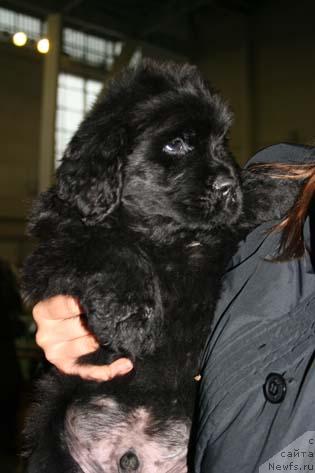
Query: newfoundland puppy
{"type": "Point", "coordinates": [146, 211]}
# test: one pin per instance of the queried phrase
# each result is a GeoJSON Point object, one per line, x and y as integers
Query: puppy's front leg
{"type": "Point", "coordinates": [124, 310]}
{"type": "Point", "coordinates": [116, 285]}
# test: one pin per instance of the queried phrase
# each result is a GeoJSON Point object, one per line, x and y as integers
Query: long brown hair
{"type": "Point", "coordinates": [291, 227]}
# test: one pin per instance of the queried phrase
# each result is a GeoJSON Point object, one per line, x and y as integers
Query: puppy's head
{"type": "Point", "coordinates": [155, 148]}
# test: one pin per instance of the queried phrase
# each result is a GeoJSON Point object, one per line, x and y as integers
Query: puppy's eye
{"type": "Point", "coordinates": [178, 146]}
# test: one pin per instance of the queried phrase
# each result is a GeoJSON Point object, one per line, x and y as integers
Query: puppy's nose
{"type": "Point", "coordinates": [223, 184]}
{"type": "Point", "coordinates": [129, 462]}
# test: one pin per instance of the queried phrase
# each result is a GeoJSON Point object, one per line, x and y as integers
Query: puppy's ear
{"type": "Point", "coordinates": [90, 175]}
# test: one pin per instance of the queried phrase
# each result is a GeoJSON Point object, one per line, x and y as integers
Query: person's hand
{"type": "Point", "coordinates": [64, 338]}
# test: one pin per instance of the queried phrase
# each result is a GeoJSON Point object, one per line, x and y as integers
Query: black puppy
{"type": "Point", "coordinates": [146, 211]}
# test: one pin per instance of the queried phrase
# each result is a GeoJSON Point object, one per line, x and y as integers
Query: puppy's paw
{"type": "Point", "coordinates": [127, 321]}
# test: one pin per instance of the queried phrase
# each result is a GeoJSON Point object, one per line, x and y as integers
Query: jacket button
{"type": "Point", "coordinates": [275, 388]}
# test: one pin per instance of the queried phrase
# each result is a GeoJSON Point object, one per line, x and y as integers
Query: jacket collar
{"type": "Point", "coordinates": [284, 153]}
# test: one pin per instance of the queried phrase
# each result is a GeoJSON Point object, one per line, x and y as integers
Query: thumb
{"type": "Point", "coordinates": [119, 367]}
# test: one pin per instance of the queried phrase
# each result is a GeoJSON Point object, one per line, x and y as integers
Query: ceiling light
{"type": "Point", "coordinates": [19, 38]}
{"type": "Point", "coordinates": [43, 46]}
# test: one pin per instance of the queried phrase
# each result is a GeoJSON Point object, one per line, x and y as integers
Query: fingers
{"type": "Point", "coordinates": [58, 307]}
{"type": "Point", "coordinates": [56, 331]}
{"type": "Point", "coordinates": [64, 339]}
{"type": "Point", "coordinates": [66, 351]}
{"type": "Point", "coordinates": [58, 321]}
{"type": "Point", "coordinates": [64, 356]}
{"type": "Point", "coordinates": [100, 373]}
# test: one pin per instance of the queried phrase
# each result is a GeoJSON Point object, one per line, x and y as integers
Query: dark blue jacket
{"type": "Point", "coordinates": [257, 392]}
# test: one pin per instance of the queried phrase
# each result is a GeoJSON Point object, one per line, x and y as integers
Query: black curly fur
{"type": "Point", "coordinates": [142, 238]}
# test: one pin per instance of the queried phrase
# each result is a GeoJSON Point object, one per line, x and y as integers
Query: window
{"type": "Point", "coordinates": [83, 47]}
{"type": "Point", "coordinates": [76, 96]}
{"type": "Point", "coordinates": [90, 49]}
{"type": "Point", "coordinates": [11, 22]}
